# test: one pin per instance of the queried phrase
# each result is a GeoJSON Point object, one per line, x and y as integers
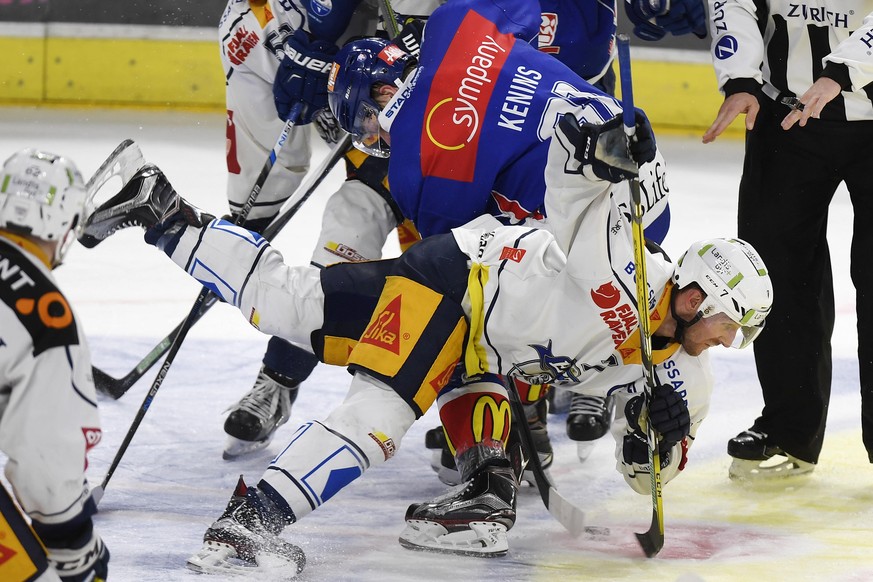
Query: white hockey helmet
{"type": "Point", "coordinates": [42, 195]}
{"type": "Point", "coordinates": [735, 281]}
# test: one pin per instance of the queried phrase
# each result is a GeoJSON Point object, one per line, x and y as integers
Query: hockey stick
{"type": "Point", "coordinates": [652, 540]}
{"type": "Point", "coordinates": [118, 387]}
{"type": "Point", "coordinates": [97, 494]}
{"type": "Point", "coordinates": [392, 26]}
{"type": "Point", "coordinates": [567, 513]}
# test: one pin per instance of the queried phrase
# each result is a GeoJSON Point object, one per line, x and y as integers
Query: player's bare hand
{"type": "Point", "coordinates": [813, 101]}
{"type": "Point", "coordinates": [732, 107]}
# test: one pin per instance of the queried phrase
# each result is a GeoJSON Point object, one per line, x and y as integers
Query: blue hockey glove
{"type": "Point", "coordinates": [410, 36]}
{"type": "Point", "coordinates": [302, 76]}
{"type": "Point", "coordinates": [653, 19]}
{"type": "Point", "coordinates": [605, 147]}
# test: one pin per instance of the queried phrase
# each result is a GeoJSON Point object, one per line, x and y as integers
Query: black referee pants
{"type": "Point", "coordinates": [789, 179]}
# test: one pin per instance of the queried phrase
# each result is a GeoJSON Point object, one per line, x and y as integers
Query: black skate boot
{"type": "Point", "coordinates": [253, 420]}
{"type": "Point", "coordinates": [146, 200]}
{"type": "Point", "coordinates": [758, 457]}
{"type": "Point", "coordinates": [245, 540]}
{"type": "Point", "coordinates": [589, 419]}
{"type": "Point", "coordinates": [442, 461]}
{"type": "Point", "coordinates": [470, 520]}
{"type": "Point", "coordinates": [446, 467]}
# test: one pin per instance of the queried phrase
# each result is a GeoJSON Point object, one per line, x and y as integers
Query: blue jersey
{"type": "Point", "coordinates": [470, 130]}
{"type": "Point", "coordinates": [579, 33]}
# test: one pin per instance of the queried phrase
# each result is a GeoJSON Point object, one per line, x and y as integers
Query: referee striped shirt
{"type": "Point", "coordinates": [783, 46]}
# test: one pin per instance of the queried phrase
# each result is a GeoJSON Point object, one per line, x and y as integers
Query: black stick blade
{"type": "Point", "coordinates": [653, 540]}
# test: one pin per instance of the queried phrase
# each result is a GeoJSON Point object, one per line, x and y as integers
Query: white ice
{"type": "Point", "coordinates": [172, 482]}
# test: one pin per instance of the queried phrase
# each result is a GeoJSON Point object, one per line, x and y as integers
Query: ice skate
{"type": "Point", "coordinates": [253, 420]}
{"type": "Point", "coordinates": [145, 200]}
{"type": "Point", "coordinates": [758, 458]}
{"type": "Point", "coordinates": [469, 520]}
{"type": "Point", "coordinates": [245, 542]}
{"type": "Point", "coordinates": [589, 419]}
{"type": "Point", "coordinates": [559, 400]}
{"type": "Point", "coordinates": [443, 462]}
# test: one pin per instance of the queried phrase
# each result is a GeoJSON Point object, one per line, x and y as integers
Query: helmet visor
{"type": "Point", "coordinates": [750, 326]}
{"type": "Point", "coordinates": [366, 131]}
{"type": "Point", "coordinates": [746, 335]}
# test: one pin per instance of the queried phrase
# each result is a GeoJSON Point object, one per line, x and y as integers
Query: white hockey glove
{"type": "Point", "coordinates": [605, 148]}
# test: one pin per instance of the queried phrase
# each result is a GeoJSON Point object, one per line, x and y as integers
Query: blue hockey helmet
{"type": "Point", "coordinates": [359, 66]}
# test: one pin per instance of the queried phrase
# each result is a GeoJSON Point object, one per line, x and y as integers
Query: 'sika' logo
{"type": "Point", "coordinates": [6, 554]}
{"type": "Point", "coordinates": [443, 377]}
{"type": "Point", "coordinates": [384, 331]}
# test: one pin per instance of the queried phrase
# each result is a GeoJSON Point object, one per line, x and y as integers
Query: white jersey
{"type": "Point", "coordinates": [251, 39]}
{"type": "Point", "coordinates": [808, 36]}
{"type": "Point", "coordinates": [553, 305]}
{"type": "Point", "coordinates": [48, 404]}
{"type": "Point", "coordinates": [559, 305]}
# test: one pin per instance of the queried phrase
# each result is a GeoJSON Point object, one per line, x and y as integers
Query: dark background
{"type": "Point", "coordinates": [200, 13]}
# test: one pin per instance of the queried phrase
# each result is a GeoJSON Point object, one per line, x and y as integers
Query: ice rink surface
{"type": "Point", "coordinates": [172, 482]}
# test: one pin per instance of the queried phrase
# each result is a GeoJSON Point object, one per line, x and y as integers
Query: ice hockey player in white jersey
{"type": "Point", "coordinates": [463, 303]}
{"type": "Point", "coordinates": [48, 406]}
{"type": "Point", "coordinates": [257, 37]}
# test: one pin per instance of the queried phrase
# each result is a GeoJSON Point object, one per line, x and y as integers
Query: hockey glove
{"type": "Point", "coordinates": [327, 126]}
{"type": "Point", "coordinates": [302, 76]}
{"type": "Point", "coordinates": [410, 36]}
{"type": "Point", "coordinates": [668, 413]}
{"type": "Point", "coordinates": [605, 147]}
{"type": "Point", "coordinates": [653, 19]}
{"type": "Point", "coordinates": [74, 550]}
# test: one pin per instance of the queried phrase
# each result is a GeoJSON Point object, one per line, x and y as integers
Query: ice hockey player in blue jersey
{"type": "Point", "coordinates": [360, 215]}
{"type": "Point", "coordinates": [448, 172]}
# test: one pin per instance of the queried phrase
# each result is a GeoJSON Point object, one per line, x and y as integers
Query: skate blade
{"type": "Point", "coordinates": [217, 558]}
{"type": "Point", "coordinates": [584, 449]}
{"type": "Point", "coordinates": [235, 448]}
{"type": "Point", "coordinates": [759, 471]}
{"type": "Point", "coordinates": [484, 539]}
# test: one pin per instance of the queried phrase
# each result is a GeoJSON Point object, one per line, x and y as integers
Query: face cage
{"type": "Point", "coordinates": [747, 332]}
{"type": "Point", "coordinates": [365, 132]}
